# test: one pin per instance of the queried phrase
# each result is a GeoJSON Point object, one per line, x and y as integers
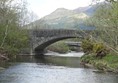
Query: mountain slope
{"type": "Point", "coordinates": [89, 10]}
{"type": "Point", "coordinates": [62, 18]}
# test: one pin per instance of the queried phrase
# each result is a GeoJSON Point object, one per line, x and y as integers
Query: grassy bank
{"type": "Point", "coordinates": [109, 63]}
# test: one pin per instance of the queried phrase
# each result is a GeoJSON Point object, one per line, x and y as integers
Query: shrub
{"type": "Point", "coordinates": [87, 46]}
{"type": "Point", "coordinates": [87, 58]}
{"type": "Point", "coordinates": [60, 47]}
{"type": "Point", "coordinates": [98, 49]}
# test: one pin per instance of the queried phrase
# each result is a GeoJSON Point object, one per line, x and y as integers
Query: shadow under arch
{"type": "Point", "coordinates": [40, 48]}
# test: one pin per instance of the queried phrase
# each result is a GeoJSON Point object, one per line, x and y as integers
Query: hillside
{"type": "Point", "coordinates": [89, 10]}
{"type": "Point", "coordinates": [66, 19]}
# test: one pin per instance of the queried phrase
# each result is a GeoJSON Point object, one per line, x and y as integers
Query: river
{"type": "Point", "coordinates": [52, 68]}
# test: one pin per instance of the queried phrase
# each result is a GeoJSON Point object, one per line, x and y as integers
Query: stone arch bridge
{"type": "Point", "coordinates": [42, 38]}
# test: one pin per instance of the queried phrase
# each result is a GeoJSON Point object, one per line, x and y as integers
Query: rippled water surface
{"type": "Point", "coordinates": [52, 69]}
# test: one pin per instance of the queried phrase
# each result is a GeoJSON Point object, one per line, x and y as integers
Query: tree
{"type": "Point", "coordinates": [106, 23]}
{"type": "Point", "coordinates": [12, 18]}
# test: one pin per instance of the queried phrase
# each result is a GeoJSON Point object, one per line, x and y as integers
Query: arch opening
{"type": "Point", "coordinates": [40, 48]}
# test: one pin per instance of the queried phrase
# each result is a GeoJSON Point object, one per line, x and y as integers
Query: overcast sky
{"type": "Point", "coordinates": [45, 7]}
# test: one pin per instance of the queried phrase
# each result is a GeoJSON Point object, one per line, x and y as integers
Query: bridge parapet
{"type": "Point", "coordinates": [52, 32]}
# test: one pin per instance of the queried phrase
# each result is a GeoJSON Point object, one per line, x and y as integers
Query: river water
{"type": "Point", "coordinates": [57, 68]}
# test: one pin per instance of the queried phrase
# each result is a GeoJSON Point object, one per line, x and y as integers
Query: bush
{"type": "Point", "coordinates": [87, 58]}
{"type": "Point", "coordinates": [60, 47]}
{"type": "Point", "coordinates": [87, 46]}
{"type": "Point", "coordinates": [98, 49]}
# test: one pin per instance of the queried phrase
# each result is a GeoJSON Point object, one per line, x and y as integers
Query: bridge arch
{"type": "Point", "coordinates": [42, 38]}
{"type": "Point", "coordinates": [40, 48]}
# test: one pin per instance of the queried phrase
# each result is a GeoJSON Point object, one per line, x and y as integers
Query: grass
{"type": "Point", "coordinates": [107, 63]}
{"type": "Point", "coordinates": [112, 61]}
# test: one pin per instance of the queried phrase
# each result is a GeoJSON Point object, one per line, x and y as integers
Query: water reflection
{"type": "Point", "coordinates": [33, 73]}
{"type": "Point", "coordinates": [52, 69]}
{"type": "Point", "coordinates": [50, 60]}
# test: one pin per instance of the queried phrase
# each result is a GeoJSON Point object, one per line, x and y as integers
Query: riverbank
{"type": "Point", "coordinates": [109, 63]}
{"type": "Point", "coordinates": [3, 55]}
